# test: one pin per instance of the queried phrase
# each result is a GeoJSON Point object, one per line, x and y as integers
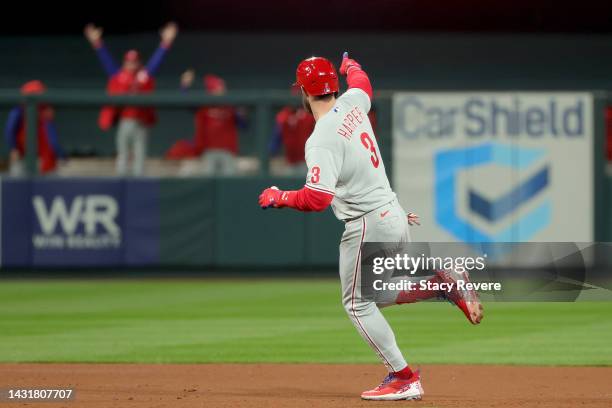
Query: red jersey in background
{"type": "Point", "coordinates": [295, 126]}
{"type": "Point", "coordinates": [124, 82]}
{"type": "Point", "coordinates": [216, 127]}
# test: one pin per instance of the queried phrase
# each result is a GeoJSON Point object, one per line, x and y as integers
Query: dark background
{"type": "Point", "coordinates": [63, 17]}
{"type": "Point", "coordinates": [425, 45]}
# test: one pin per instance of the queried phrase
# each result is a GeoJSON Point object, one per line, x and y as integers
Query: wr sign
{"type": "Point", "coordinates": [84, 222]}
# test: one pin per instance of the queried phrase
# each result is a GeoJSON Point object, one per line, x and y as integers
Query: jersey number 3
{"type": "Point", "coordinates": [316, 174]}
{"type": "Point", "coordinates": [367, 142]}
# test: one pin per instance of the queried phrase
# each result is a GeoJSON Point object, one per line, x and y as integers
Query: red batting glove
{"type": "Point", "coordinates": [347, 64]}
{"type": "Point", "coordinates": [270, 197]}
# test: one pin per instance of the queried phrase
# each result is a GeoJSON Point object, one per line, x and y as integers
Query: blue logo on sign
{"type": "Point", "coordinates": [450, 162]}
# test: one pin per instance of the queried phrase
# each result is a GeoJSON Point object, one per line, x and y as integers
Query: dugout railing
{"type": "Point", "coordinates": [263, 104]}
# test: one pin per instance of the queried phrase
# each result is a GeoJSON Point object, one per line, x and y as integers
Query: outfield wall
{"type": "Point", "coordinates": [200, 223]}
{"type": "Point", "coordinates": [168, 222]}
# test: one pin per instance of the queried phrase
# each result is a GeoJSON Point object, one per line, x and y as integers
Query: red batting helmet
{"type": "Point", "coordinates": [33, 87]}
{"type": "Point", "coordinates": [317, 76]}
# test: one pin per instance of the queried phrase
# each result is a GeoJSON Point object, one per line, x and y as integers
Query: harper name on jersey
{"type": "Point", "coordinates": [350, 122]}
{"type": "Point", "coordinates": [344, 160]}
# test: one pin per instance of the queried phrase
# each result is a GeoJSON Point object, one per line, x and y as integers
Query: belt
{"type": "Point", "coordinates": [347, 220]}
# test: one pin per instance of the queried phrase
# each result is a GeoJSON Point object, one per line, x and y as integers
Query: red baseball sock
{"type": "Point", "coordinates": [404, 374]}
{"type": "Point", "coordinates": [411, 296]}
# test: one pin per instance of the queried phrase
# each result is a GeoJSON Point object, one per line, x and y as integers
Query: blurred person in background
{"type": "Point", "coordinates": [292, 129]}
{"type": "Point", "coordinates": [132, 77]}
{"type": "Point", "coordinates": [49, 149]}
{"type": "Point", "coordinates": [216, 131]}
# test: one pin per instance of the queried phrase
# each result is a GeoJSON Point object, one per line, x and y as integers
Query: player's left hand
{"type": "Point", "coordinates": [270, 197]}
{"type": "Point", "coordinates": [168, 33]}
{"type": "Point", "coordinates": [413, 219]}
{"type": "Point", "coordinates": [347, 63]}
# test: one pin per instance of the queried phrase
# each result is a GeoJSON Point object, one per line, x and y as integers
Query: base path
{"type": "Point", "coordinates": [306, 385]}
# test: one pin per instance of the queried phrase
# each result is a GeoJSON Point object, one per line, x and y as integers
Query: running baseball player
{"type": "Point", "coordinates": [346, 171]}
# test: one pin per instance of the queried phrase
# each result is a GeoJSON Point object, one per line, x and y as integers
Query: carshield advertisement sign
{"type": "Point", "coordinates": [495, 166]}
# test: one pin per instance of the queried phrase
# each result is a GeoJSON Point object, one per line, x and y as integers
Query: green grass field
{"type": "Point", "coordinates": [189, 321]}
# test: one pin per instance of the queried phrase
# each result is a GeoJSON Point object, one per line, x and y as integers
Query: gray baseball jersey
{"type": "Point", "coordinates": [343, 158]}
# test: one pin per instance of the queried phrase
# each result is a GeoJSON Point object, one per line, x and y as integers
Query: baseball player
{"type": "Point", "coordinates": [293, 126]}
{"type": "Point", "coordinates": [216, 131]}
{"type": "Point", "coordinates": [346, 171]}
{"type": "Point", "coordinates": [49, 149]}
{"type": "Point", "coordinates": [132, 77]}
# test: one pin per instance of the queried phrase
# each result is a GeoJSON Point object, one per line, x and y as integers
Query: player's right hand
{"type": "Point", "coordinates": [93, 34]}
{"type": "Point", "coordinates": [270, 197]}
{"type": "Point", "coordinates": [347, 63]}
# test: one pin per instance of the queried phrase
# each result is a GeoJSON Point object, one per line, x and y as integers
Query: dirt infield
{"type": "Point", "coordinates": [306, 385]}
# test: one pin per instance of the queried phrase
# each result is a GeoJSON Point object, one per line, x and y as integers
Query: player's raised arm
{"type": "Point", "coordinates": [94, 36]}
{"type": "Point", "coordinates": [167, 35]}
{"type": "Point", "coordinates": [355, 76]}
